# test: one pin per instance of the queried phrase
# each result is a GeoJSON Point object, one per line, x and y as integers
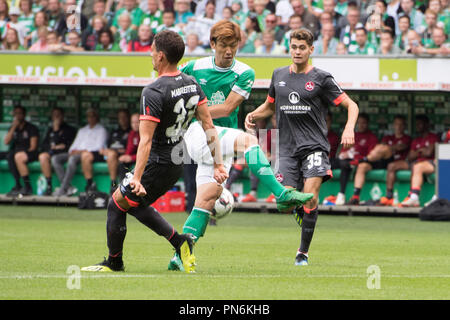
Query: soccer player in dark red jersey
{"type": "Point", "coordinates": [166, 110]}
{"type": "Point", "coordinates": [299, 95]}
{"type": "Point", "coordinates": [390, 153]}
{"type": "Point", "coordinates": [421, 157]}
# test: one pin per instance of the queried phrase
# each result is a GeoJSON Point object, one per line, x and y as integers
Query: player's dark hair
{"type": "Point", "coordinates": [302, 34]}
{"type": "Point", "coordinates": [364, 116]}
{"type": "Point", "coordinates": [422, 117]}
{"type": "Point", "coordinates": [171, 44]}
{"type": "Point", "coordinates": [225, 30]}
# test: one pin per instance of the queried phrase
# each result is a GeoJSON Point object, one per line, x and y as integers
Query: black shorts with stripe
{"type": "Point", "coordinates": [157, 179]}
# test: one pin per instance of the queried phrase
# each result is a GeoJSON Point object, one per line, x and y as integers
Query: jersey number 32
{"type": "Point", "coordinates": [185, 113]}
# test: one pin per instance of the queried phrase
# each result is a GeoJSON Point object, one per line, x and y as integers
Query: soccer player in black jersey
{"type": "Point", "coordinates": [299, 95]}
{"type": "Point", "coordinates": [166, 109]}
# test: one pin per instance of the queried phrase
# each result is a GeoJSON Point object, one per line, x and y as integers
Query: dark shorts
{"type": "Point", "coordinates": [31, 155]}
{"type": "Point", "coordinates": [97, 156]}
{"type": "Point", "coordinates": [157, 179]}
{"type": "Point", "coordinates": [293, 170]}
{"type": "Point", "coordinates": [381, 164]}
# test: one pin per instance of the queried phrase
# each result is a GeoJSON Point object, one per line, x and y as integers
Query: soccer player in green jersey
{"type": "Point", "coordinates": [226, 82]}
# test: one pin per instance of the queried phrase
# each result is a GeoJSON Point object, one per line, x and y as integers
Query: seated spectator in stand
{"type": "Point", "coordinates": [124, 33]}
{"type": "Point", "coordinates": [169, 23]}
{"type": "Point", "coordinates": [261, 12]}
{"type": "Point", "coordinates": [227, 13]}
{"type": "Point", "coordinates": [389, 154]}
{"type": "Point", "coordinates": [193, 45]}
{"type": "Point", "coordinates": [128, 159]}
{"type": "Point", "coordinates": [86, 147]}
{"type": "Point", "coordinates": [4, 17]}
{"type": "Point", "coordinates": [72, 20]}
{"type": "Point", "coordinates": [401, 40]}
{"type": "Point", "coordinates": [415, 16]}
{"type": "Point", "coordinates": [329, 7]}
{"type": "Point", "coordinates": [326, 44]}
{"type": "Point", "coordinates": [362, 45]}
{"type": "Point", "coordinates": [153, 15]}
{"type": "Point", "coordinates": [106, 42]}
{"type": "Point", "coordinates": [365, 141]}
{"type": "Point", "coordinates": [74, 42]}
{"type": "Point", "coordinates": [295, 22]}
{"type": "Point", "coordinates": [426, 29]}
{"type": "Point", "coordinates": [443, 14]}
{"type": "Point", "coordinates": [135, 12]}
{"type": "Point", "coordinates": [202, 25]}
{"type": "Point", "coordinates": [41, 44]}
{"type": "Point", "coordinates": [269, 46]}
{"type": "Point", "coordinates": [53, 43]}
{"type": "Point", "coordinates": [348, 31]}
{"type": "Point", "coordinates": [244, 45]}
{"type": "Point", "coordinates": [27, 17]}
{"type": "Point", "coordinates": [387, 44]}
{"type": "Point", "coordinates": [387, 21]}
{"type": "Point", "coordinates": [55, 13]}
{"type": "Point", "coordinates": [99, 9]}
{"type": "Point", "coordinates": [414, 45]}
{"type": "Point", "coordinates": [341, 49]}
{"type": "Point", "coordinates": [183, 13]}
{"type": "Point", "coordinates": [40, 20]}
{"type": "Point", "coordinates": [117, 144]}
{"type": "Point", "coordinates": [90, 36]}
{"type": "Point", "coordinates": [253, 31]}
{"type": "Point", "coordinates": [144, 40]}
{"type": "Point", "coordinates": [309, 20]}
{"type": "Point", "coordinates": [14, 23]}
{"type": "Point", "coordinates": [23, 137]}
{"type": "Point", "coordinates": [272, 24]}
{"type": "Point", "coordinates": [239, 15]}
{"type": "Point", "coordinates": [56, 144]}
{"type": "Point", "coordinates": [11, 41]}
{"type": "Point", "coordinates": [438, 46]}
{"type": "Point", "coordinates": [421, 157]}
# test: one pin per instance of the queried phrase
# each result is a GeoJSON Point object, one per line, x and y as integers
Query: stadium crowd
{"type": "Point", "coordinates": [361, 27]}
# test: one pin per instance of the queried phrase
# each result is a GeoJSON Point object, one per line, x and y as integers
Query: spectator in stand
{"type": "Point", "coordinates": [309, 20]}
{"type": "Point", "coordinates": [295, 22]}
{"type": "Point", "coordinates": [426, 29]}
{"type": "Point", "coordinates": [133, 10]}
{"type": "Point", "coordinates": [53, 43]}
{"type": "Point", "coordinates": [74, 42]}
{"type": "Point", "coordinates": [183, 13]}
{"type": "Point", "coordinates": [443, 13]}
{"type": "Point", "coordinates": [329, 7]}
{"type": "Point", "coordinates": [326, 43]}
{"type": "Point", "coordinates": [4, 17]}
{"type": "Point", "coordinates": [86, 147]}
{"type": "Point", "coordinates": [125, 33]}
{"type": "Point", "coordinates": [269, 45]}
{"type": "Point", "coordinates": [376, 23]}
{"type": "Point", "coordinates": [117, 145]}
{"type": "Point", "coordinates": [40, 20]}
{"type": "Point", "coordinates": [342, 7]}
{"type": "Point", "coordinates": [421, 157]}
{"type": "Point", "coordinates": [57, 141]}
{"type": "Point", "coordinates": [41, 44]}
{"type": "Point", "coordinates": [415, 16]}
{"type": "Point", "coordinates": [363, 46]}
{"type": "Point", "coordinates": [387, 21]}
{"type": "Point", "coordinates": [23, 137]}
{"type": "Point", "coordinates": [153, 15]}
{"type": "Point", "coordinates": [401, 41]}
{"type": "Point", "coordinates": [14, 23]}
{"type": "Point", "coordinates": [193, 46]}
{"type": "Point", "coordinates": [202, 25]}
{"type": "Point", "coordinates": [144, 41]}
{"type": "Point", "coordinates": [71, 20]}
{"type": "Point", "coordinates": [227, 13]}
{"type": "Point", "coordinates": [253, 31]}
{"type": "Point", "coordinates": [239, 15]}
{"type": "Point", "coordinates": [365, 141]}
{"type": "Point", "coordinates": [11, 40]}
{"type": "Point", "coordinates": [272, 25]}
{"type": "Point", "coordinates": [390, 153]}
{"type": "Point", "coordinates": [387, 46]}
{"type": "Point", "coordinates": [106, 42]}
{"type": "Point", "coordinates": [341, 49]}
{"type": "Point", "coordinates": [348, 32]}
{"type": "Point", "coordinates": [438, 46]}
{"type": "Point", "coordinates": [27, 16]}
{"type": "Point", "coordinates": [90, 36]}
{"type": "Point", "coordinates": [40, 5]}
{"type": "Point", "coordinates": [169, 23]}
{"type": "Point", "coordinates": [245, 46]}
{"type": "Point", "coordinates": [99, 9]}
{"type": "Point", "coordinates": [128, 159]}
{"type": "Point", "coordinates": [261, 12]}
{"type": "Point", "coordinates": [55, 14]}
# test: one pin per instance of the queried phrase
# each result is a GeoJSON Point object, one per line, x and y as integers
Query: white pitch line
{"type": "Point", "coordinates": [149, 276]}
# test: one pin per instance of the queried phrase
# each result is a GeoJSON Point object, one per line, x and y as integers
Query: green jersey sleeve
{"type": "Point", "coordinates": [244, 84]}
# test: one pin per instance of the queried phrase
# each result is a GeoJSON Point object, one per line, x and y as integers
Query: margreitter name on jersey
{"type": "Point", "coordinates": [182, 90]}
{"type": "Point", "coordinates": [295, 109]}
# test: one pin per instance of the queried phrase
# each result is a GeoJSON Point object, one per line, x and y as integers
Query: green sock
{"type": "Point", "coordinates": [260, 167]}
{"type": "Point", "coordinates": [197, 222]}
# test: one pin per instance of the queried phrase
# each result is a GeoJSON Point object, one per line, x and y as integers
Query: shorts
{"type": "Point", "coordinates": [381, 164]}
{"type": "Point", "coordinates": [97, 156]}
{"type": "Point", "coordinates": [157, 179]}
{"type": "Point", "coordinates": [292, 170]}
{"type": "Point", "coordinates": [197, 147]}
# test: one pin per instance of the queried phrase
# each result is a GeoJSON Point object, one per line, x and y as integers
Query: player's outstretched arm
{"type": "Point", "coordinates": [225, 109]}
{"type": "Point", "coordinates": [203, 115]}
{"type": "Point", "coordinates": [146, 131]}
{"type": "Point", "coordinates": [267, 109]}
{"type": "Point", "coordinates": [348, 135]}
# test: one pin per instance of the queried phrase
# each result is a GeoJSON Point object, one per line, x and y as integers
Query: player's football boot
{"type": "Point", "coordinates": [340, 199]}
{"type": "Point", "coordinates": [409, 202]}
{"type": "Point", "coordinates": [270, 199]}
{"type": "Point", "coordinates": [249, 198]}
{"type": "Point", "coordinates": [292, 198]}
{"type": "Point", "coordinates": [301, 259]}
{"type": "Point", "coordinates": [14, 191]}
{"type": "Point", "coordinates": [354, 201]}
{"type": "Point", "coordinates": [384, 201]}
{"type": "Point", "coordinates": [184, 259]}
{"type": "Point", "coordinates": [298, 215]}
{"type": "Point", "coordinates": [106, 266]}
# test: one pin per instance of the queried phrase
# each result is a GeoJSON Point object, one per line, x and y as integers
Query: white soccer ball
{"type": "Point", "coordinates": [224, 205]}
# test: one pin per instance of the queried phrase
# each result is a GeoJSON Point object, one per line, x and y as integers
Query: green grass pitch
{"type": "Point", "coordinates": [247, 256]}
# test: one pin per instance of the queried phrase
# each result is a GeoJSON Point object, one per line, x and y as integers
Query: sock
{"type": "Point", "coordinates": [346, 171]}
{"type": "Point", "coordinates": [260, 167]}
{"type": "Point", "coordinates": [88, 182]}
{"type": "Point", "coordinates": [235, 173]}
{"type": "Point", "coordinates": [389, 193]}
{"type": "Point", "coordinates": [116, 229]}
{"type": "Point", "coordinates": [308, 226]}
{"type": "Point", "coordinates": [151, 218]}
{"type": "Point", "coordinates": [253, 193]}
{"type": "Point", "coordinates": [197, 222]}
{"type": "Point", "coordinates": [356, 191]}
{"type": "Point", "coordinates": [49, 183]}
{"type": "Point", "coordinates": [26, 181]}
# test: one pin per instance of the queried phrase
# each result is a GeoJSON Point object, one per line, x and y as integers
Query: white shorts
{"type": "Point", "coordinates": [197, 147]}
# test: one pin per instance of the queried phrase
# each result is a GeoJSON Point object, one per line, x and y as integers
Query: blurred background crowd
{"type": "Point", "coordinates": [361, 27]}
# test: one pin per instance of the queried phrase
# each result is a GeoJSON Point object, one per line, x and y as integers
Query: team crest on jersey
{"type": "Point", "coordinates": [309, 86]}
{"type": "Point", "coordinates": [294, 97]}
{"type": "Point", "coordinates": [217, 98]}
